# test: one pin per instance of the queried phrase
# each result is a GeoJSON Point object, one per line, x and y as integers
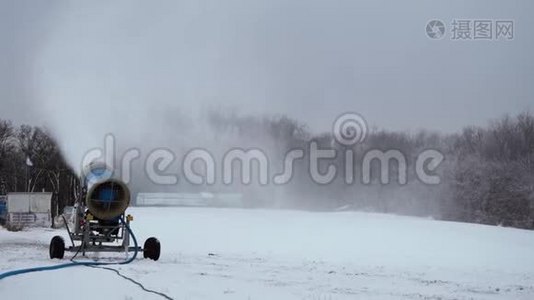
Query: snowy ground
{"type": "Point", "coordinates": [262, 254]}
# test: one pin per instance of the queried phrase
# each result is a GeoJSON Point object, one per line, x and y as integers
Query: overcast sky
{"type": "Point", "coordinates": [311, 60]}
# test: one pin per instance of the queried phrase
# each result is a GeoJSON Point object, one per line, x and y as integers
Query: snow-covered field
{"type": "Point", "coordinates": [263, 254]}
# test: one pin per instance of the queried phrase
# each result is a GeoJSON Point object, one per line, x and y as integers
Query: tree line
{"type": "Point", "coordinates": [487, 175]}
{"type": "Point", "coordinates": [31, 161]}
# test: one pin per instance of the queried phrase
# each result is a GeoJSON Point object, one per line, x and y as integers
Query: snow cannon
{"type": "Point", "coordinates": [100, 223]}
{"type": "Point", "coordinates": [108, 199]}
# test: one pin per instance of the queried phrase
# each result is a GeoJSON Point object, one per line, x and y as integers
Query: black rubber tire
{"type": "Point", "coordinates": [152, 248]}
{"type": "Point", "coordinates": [57, 247]}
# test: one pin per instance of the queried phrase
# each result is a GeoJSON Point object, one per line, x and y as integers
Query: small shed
{"type": "Point", "coordinates": [28, 209]}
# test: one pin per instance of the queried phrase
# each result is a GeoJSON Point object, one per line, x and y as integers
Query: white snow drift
{"type": "Point", "coordinates": [267, 254]}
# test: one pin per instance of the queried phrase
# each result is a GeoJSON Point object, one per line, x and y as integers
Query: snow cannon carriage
{"type": "Point", "coordinates": [101, 224]}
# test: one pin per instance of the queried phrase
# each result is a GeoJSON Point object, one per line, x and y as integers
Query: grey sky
{"type": "Point", "coordinates": [311, 60]}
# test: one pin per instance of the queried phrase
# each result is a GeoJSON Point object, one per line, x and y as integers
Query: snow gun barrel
{"type": "Point", "coordinates": [108, 199]}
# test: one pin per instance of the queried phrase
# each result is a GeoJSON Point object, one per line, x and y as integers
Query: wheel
{"type": "Point", "coordinates": [152, 248]}
{"type": "Point", "coordinates": [57, 247]}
